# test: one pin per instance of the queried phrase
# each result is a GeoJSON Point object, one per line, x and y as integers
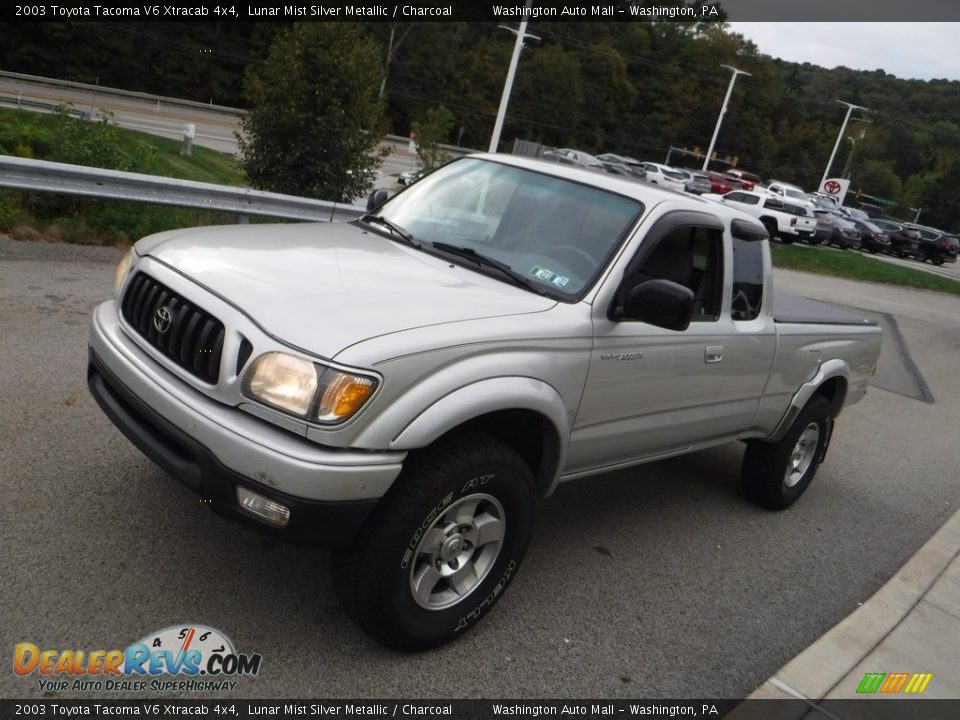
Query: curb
{"type": "Point", "coordinates": [818, 670]}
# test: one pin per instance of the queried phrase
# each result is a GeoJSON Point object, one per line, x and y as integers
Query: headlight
{"type": "Point", "coordinates": [300, 387]}
{"type": "Point", "coordinates": [123, 269]}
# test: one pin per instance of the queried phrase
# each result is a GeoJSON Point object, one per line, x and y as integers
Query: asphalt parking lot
{"type": "Point", "coordinates": [654, 582]}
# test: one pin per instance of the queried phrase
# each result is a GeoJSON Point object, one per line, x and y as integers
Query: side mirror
{"type": "Point", "coordinates": [662, 303]}
{"type": "Point", "coordinates": [377, 198]}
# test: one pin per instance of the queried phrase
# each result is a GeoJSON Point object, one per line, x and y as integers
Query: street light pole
{"type": "Point", "coordinates": [723, 110]}
{"type": "Point", "coordinates": [850, 108]}
{"type": "Point", "coordinates": [860, 136]}
{"type": "Point", "coordinates": [508, 83]}
{"type": "Point", "coordinates": [846, 168]}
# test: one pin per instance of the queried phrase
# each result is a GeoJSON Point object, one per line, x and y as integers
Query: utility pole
{"type": "Point", "coordinates": [723, 110]}
{"type": "Point", "coordinates": [508, 83]}
{"type": "Point", "coordinates": [850, 108]}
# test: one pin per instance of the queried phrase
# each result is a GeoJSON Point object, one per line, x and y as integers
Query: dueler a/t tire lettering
{"type": "Point", "coordinates": [442, 545]}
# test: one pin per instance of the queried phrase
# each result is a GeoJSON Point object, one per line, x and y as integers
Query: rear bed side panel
{"type": "Point", "coordinates": [848, 351]}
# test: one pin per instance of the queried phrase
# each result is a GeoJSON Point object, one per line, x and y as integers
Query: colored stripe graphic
{"type": "Point", "coordinates": [894, 683]}
{"type": "Point", "coordinates": [918, 683]}
{"type": "Point", "coordinates": [871, 682]}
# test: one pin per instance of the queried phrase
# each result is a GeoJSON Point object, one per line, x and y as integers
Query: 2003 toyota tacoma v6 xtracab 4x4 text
{"type": "Point", "coordinates": [404, 387]}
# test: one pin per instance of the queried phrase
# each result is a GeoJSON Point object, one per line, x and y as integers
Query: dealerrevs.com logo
{"type": "Point", "coordinates": [200, 658]}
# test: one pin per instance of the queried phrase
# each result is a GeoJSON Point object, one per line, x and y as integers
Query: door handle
{"type": "Point", "coordinates": [713, 353]}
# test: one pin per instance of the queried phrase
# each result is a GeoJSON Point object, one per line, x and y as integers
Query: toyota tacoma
{"type": "Point", "coordinates": [405, 387]}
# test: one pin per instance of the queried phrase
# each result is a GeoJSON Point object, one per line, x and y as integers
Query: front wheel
{"type": "Point", "coordinates": [775, 475]}
{"type": "Point", "coordinates": [442, 545]}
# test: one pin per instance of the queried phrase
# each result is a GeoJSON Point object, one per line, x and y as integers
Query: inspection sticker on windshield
{"type": "Point", "coordinates": [541, 273]}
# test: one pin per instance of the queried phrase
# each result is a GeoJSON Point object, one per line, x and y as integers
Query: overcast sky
{"type": "Point", "coordinates": [908, 50]}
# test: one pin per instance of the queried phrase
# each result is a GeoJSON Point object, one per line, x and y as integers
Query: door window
{"type": "Point", "coordinates": [692, 257]}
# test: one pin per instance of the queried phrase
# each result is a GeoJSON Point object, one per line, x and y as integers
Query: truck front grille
{"type": "Point", "coordinates": [188, 335]}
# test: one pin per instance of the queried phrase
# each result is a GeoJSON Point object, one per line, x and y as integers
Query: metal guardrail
{"type": "Point", "coordinates": [19, 103]}
{"type": "Point", "coordinates": [44, 176]}
{"type": "Point", "coordinates": [103, 90]}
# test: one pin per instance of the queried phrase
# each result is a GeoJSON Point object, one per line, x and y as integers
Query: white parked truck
{"type": "Point", "coordinates": [784, 219]}
{"type": "Point", "coordinates": [406, 387]}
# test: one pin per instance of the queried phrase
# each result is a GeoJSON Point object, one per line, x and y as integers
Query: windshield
{"type": "Point", "coordinates": [554, 232]}
{"type": "Point", "coordinates": [795, 194]}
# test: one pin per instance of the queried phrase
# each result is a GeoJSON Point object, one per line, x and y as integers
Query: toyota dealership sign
{"type": "Point", "coordinates": [836, 188]}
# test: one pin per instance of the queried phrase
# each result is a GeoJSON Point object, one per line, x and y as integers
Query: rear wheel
{"type": "Point", "coordinates": [775, 475]}
{"type": "Point", "coordinates": [442, 545]}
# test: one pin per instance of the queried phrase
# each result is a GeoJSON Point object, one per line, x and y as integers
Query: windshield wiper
{"type": "Point", "coordinates": [392, 227]}
{"type": "Point", "coordinates": [482, 260]}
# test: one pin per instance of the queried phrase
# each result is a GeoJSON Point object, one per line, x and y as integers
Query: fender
{"type": "Point", "coordinates": [471, 401]}
{"type": "Point", "coordinates": [830, 369]}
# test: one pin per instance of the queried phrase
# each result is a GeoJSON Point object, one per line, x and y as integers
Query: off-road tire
{"type": "Point", "coordinates": [764, 474]}
{"type": "Point", "coordinates": [375, 576]}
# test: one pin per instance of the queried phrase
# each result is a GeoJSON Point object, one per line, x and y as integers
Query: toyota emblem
{"type": "Point", "coordinates": [162, 320]}
{"type": "Point", "coordinates": [832, 187]}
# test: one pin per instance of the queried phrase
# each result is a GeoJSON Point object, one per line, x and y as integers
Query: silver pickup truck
{"type": "Point", "coordinates": [405, 387]}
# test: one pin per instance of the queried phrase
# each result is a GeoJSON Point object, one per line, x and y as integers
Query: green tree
{"type": "Point", "coordinates": [431, 131]}
{"type": "Point", "coordinates": [547, 97]}
{"type": "Point", "coordinates": [315, 117]}
{"type": "Point", "coordinates": [877, 178]}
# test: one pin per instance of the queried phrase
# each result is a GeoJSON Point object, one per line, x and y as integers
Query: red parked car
{"type": "Point", "coordinates": [748, 180]}
{"type": "Point", "coordinates": [721, 183]}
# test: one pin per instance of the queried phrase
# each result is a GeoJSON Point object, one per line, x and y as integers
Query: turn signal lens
{"type": "Point", "coordinates": [343, 395]}
{"type": "Point", "coordinates": [123, 269]}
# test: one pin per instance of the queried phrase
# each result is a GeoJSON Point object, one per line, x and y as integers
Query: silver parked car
{"type": "Point", "coordinates": [633, 166]}
{"type": "Point", "coordinates": [695, 182]}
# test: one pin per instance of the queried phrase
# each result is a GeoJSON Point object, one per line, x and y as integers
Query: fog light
{"type": "Point", "coordinates": [264, 508]}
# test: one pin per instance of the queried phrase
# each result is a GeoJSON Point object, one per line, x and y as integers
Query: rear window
{"type": "Point", "coordinates": [795, 209]}
{"type": "Point", "coordinates": [741, 197]}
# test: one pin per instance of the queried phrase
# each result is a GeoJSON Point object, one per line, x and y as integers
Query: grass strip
{"type": "Point", "coordinates": [853, 265]}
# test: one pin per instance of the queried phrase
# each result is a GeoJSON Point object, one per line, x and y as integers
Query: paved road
{"type": "Point", "coordinates": [215, 129]}
{"type": "Point", "coordinates": [947, 270]}
{"type": "Point", "coordinates": [658, 581]}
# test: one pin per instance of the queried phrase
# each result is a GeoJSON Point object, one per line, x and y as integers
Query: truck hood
{"type": "Point", "coordinates": [324, 286]}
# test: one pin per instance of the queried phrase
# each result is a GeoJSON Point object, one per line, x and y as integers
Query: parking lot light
{"type": "Point", "coordinates": [723, 110]}
{"type": "Point", "coordinates": [850, 108]}
{"type": "Point", "coordinates": [522, 35]}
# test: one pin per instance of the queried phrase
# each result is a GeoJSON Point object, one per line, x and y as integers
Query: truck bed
{"type": "Point", "coordinates": [789, 308]}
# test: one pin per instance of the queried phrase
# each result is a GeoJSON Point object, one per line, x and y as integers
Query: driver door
{"type": "Point", "coordinates": [652, 391]}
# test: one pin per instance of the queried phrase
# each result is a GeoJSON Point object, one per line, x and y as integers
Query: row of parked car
{"type": "Point", "coordinates": [791, 214]}
{"type": "Point", "coordinates": [788, 212]}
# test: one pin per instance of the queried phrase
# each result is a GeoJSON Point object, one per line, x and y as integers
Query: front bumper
{"type": "Point", "coordinates": [330, 492]}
